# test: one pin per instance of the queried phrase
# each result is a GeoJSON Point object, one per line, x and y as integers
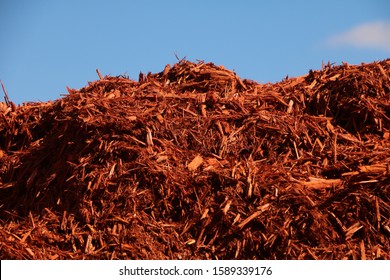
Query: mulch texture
{"type": "Point", "coordinates": [196, 163]}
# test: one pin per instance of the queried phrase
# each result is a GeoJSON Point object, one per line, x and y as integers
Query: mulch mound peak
{"type": "Point", "coordinates": [196, 163]}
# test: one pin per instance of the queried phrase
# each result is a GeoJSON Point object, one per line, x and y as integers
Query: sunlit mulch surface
{"type": "Point", "coordinates": [196, 163]}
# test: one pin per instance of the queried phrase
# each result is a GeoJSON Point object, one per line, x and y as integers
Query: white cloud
{"type": "Point", "coordinates": [373, 35]}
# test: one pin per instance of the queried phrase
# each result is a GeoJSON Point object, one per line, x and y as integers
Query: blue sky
{"type": "Point", "coordinates": [48, 45]}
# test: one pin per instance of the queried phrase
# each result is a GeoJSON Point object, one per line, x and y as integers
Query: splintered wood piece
{"type": "Point", "coordinates": [352, 229]}
{"type": "Point", "coordinates": [205, 212]}
{"type": "Point", "coordinates": [378, 213]}
{"type": "Point", "coordinates": [375, 168]}
{"type": "Point", "coordinates": [6, 98]}
{"type": "Point", "coordinates": [166, 70]}
{"type": "Point", "coordinates": [30, 252]}
{"type": "Point", "coordinates": [254, 215]}
{"type": "Point", "coordinates": [227, 206]}
{"type": "Point", "coordinates": [362, 250]}
{"type": "Point", "coordinates": [320, 183]}
{"type": "Point", "coordinates": [195, 163]}
{"type": "Point", "coordinates": [100, 75]}
{"type": "Point", "coordinates": [149, 137]}
{"type": "Point", "coordinates": [385, 75]}
{"type": "Point", "coordinates": [88, 245]}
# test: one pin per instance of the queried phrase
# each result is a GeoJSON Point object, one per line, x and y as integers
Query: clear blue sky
{"type": "Point", "coordinates": [48, 45]}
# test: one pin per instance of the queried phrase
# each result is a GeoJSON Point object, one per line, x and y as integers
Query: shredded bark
{"type": "Point", "coordinates": [196, 163]}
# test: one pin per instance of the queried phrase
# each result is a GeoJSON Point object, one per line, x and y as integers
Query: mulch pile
{"type": "Point", "coordinates": [196, 163]}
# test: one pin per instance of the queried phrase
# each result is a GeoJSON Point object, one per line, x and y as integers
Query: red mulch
{"type": "Point", "coordinates": [196, 163]}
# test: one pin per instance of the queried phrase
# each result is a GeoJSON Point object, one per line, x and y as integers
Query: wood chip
{"type": "Point", "coordinates": [195, 163]}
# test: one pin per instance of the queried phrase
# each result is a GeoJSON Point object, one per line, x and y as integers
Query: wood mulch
{"type": "Point", "coordinates": [196, 163]}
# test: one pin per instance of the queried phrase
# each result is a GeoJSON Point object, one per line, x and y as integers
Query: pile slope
{"type": "Point", "coordinates": [196, 163]}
